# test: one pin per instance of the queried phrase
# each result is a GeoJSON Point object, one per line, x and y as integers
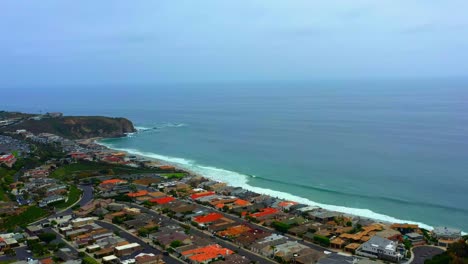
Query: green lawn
{"type": "Point", "coordinates": [31, 214]}
{"type": "Point", "coordinates": [3, 195]}
{"type": "Point", "coordinates": [86, 169]}
{"type": "Point", "coordinates": [175, 175]}
{"type": "Point", "coordinates": [8, 261]}
{"type": "Point", "coordinates": [73, 196]}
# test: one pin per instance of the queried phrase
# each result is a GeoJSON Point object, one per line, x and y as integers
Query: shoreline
{"type": "Point", "coordinates": [185, 165]}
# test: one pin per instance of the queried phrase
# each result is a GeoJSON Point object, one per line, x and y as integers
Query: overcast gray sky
{"type": "Point", "coordinates": [94, 42]}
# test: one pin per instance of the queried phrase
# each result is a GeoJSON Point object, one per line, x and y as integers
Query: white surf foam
{"type": "Point", "coordinates": [240, 180]}
{"type": "Point", "coordinates": [142, 128]}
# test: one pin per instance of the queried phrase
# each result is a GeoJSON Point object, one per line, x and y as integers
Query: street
{"type": "Point", "coordinates": [241, 251]}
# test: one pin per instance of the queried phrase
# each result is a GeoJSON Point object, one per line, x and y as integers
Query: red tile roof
{"type": "Point", "coordinates": [47, 261]}
{"type": "Point", "coordinates": [207, 253]}
{"type": "Point", "coordinates": [113, 181]}
{"type": "Point", "coordinates": [6, 157]}
{"type": "Point", "coordinates": [163, 200]}
{"type": "Point", "coordinates": [202, 194]}
{"type": "Point", "coordinates": [287, 203]}
{"type": "Point", "coordinates": [265, 212]}
{"type": "Point", "coordinates": [241, 202]}
{"type": "Point", "coordinates": [138, 194]}
{"type": "Point", "coordinates": [166, 167]}
{"type": "Point", "coordinates": [208, 218]}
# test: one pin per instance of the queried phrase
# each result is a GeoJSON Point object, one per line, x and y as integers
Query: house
{"type": "Point", "coordinates": [82, 221]}
{"type": "Point", "coordinates": [8, 159]}
{"type": "Point", "coordinates": [115, 207]}
{"type": "Point", "coordinates": [405, 228]}
{"type": "Point", "coordinates": [37, 173]}
{"type": "Point", "coordinates": [112, 182]}
{"type": "Point", "coordinates": [209, 218]}
{"type": "Point", "coordinates": [110, 259]}
{"type": "Point", "coordinates": [206, 254]}
{"type": "Point", "coordinates": [51, 199]}
{"type": "Point", "coordinates": [167, 239]}
{"type": "Point", "coordinates": [137, 194]}
{"type": "Point", "coordinates": [351, 248]}
{"type": "Point", "coordinates": [382, 248]}
{"type": "Point", "coordinates": [288, 250]}
{"type": "Point", "coordinates": [145, 258]}
{"type": "Point", "coordinates": [163, 200]}
{"type": "Point", "coordinates": [391, 234]}
{"type": "Point", "coordinates": [286, 205]}
{"type": "Point", "coordinates": [250, 237]}
{"type": "Point", "coordinates": [446, 236]}
{"type": "Point", "coordinates": [323, 216]}
{"type": "Point", "coordinates": [265, 213]}
{"type": "Point", "coordinates": [234, 259]}
{"type": "Point", "coordinates": [416, 239]}
{"type": "Point", "coordinates": [234, 231]}
{"type": "Point", "coordinates": [266, 245]}
{"type": "Point", "coordinates": [66, 254]}
{"type": "Point", "coordinates": [199, 195]}
{"type": "Point", "coordinates": [127, 249]}
{"type": "Point", "coordinates": [337, 243]}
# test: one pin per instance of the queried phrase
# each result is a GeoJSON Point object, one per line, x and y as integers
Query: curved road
{"type": "Point", "coordinates": [423, 253]}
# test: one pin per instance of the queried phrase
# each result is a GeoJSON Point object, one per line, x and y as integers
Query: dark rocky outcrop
{"type": "Point", "coordinates": [76, 127]}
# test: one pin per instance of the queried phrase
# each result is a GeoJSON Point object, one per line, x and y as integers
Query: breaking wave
{"type": "Point", "coordinates": [157, 127]}
{"type": "Point", "coordinates": [236, 179]}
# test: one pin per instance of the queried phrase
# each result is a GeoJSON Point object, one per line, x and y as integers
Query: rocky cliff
{"type": "Point", "coordinates": [76, 127]}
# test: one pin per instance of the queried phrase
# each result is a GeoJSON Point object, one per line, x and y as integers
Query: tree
{"type": "Point", "coordinates": [281, 227]}
{"type": "Point", "coordinates": [176, 243]}
{"type": "Point", "coordinates": [408, 244]}
{"type": "Point", "coordinates": [47, 237]}
{"type": "Point", "coordinates": [117, 220]}
{"type": "Point", "coordinates": [143, 232]}
{"type": "Point", "coordinates": [38, 249]}
{"type": "Point", "coordinates": [10, 252]}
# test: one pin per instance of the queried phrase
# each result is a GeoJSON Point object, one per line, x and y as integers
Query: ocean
{"type": "Point", "coordinates": [390, 150]}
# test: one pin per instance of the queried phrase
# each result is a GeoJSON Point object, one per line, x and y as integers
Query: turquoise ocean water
{"type": "Point", "coordinates": [383, 149]}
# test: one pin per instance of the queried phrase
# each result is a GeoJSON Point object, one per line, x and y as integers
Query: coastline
{"type": "Point", "coordinates": [241, 180]}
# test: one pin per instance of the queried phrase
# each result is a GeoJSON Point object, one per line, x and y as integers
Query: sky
{"type": "Point", "coordinates": [88, 42]}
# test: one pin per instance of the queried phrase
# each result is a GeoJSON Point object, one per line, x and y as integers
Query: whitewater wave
{"type": "Point", "coordinates": [142, 128]}
{"type": "Point", "coordinates": [157, 127]}
{"type": "Point", "coordinates": [236, 179]}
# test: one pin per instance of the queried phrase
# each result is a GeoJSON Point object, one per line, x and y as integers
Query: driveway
{"type": "Point", "coordinates": [422, 253]}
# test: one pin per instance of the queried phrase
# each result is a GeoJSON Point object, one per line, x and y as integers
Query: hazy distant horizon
{"type": "Point", "coordinates": [51, 43]}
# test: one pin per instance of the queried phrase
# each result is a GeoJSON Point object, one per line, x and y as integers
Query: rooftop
{"type": "Point", "coordinates": [208, 218]}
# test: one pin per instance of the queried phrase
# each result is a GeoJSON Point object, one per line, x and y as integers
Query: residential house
{"type": "Point", "coordinates": [382, 248]}
{"type": "Point", "coordinates": [206, 254]}
{"type": "Point", "coordinates": [446, 236]}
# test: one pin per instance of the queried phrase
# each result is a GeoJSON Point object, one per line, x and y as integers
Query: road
{"type": "Point", "coordinates": [422, 253]}
{"type": "Point", "coordinates": [241, 251]}
{"type": "Point", "coordinates": [86, 197]}
{"type": "Point", "coordinates": [133, 239]}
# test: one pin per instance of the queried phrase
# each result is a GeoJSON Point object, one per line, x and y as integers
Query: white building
{"type": "Point", "coordinates": [382, 248]}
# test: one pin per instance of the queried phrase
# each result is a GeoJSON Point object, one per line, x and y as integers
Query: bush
{"type": "Point", "coordinates": [47, 237]}
{"type": "Point", "coordinates": [280, 227]}
{"type": "Point", "coordinates": [324, 241]}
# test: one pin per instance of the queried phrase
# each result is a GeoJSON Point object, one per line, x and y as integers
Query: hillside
{"type": "Point", "coordinates": [76, 127]}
